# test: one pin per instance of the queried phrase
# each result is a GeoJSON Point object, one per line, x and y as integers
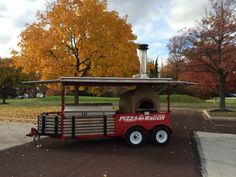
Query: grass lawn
{"type": "Point", "coordinates": [229, 101]}
{"type": "Point", "coordinates": [29, 109]}
{"type": "Point", "coordinates": [55, 101]}
{"type": "Point", "coordinates": [223, 114]}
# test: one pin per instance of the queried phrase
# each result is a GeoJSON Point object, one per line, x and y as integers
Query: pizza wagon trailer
{"type": "Point", "coordinates": [137, 117]}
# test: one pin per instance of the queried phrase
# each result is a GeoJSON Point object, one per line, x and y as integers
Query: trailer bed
{"type": "Point", "coordinates": [79, 121]}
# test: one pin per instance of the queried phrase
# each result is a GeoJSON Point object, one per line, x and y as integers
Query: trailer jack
{"type": "Point", "coordinates": [36, 136]}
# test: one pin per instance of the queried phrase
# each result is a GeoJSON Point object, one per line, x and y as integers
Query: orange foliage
{"type": "Point", "coordinates": [78, 38]}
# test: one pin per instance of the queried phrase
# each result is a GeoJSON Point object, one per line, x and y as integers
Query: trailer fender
{"type": "Point", "coordinates": [162, 125]}
{"type": "Point", "coordinates": [132, 126]}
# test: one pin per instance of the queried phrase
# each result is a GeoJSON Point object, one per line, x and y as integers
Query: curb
{"type": "Point", "coordinates": [207, 116]}
{"type": "Point", "coordinates": [201, 155]}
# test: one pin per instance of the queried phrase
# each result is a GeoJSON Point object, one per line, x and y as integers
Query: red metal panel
{"type": "Point", "coordinates": [92, 136]}
{"type": "Point", "coordinates": [125, 121]}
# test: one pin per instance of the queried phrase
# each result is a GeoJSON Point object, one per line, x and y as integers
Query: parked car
{"type": "Point", "coordinates": [40, 95]}
{"type": "Point", "coordinates": [231, 95]}
{"type": "Point", "coordinates": [23, 96]}
{"type": "Point", "coordinates": [20, 97]}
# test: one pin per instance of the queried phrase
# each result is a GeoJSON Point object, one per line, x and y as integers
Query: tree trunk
{"type": "Point", "coordinates": [76, 95]}
{"type": "Point", "coordinates": [176, 71]}
{"type": "Point", "coordinates": [35, 92]}
{"type": "Point", "coordinates": [222, 79]}
{"type": "Point", "coordinates": [4, 95]}
{"type": "Point", "coordinates": [176, 76]}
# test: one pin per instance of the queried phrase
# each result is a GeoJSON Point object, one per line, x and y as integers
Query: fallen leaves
{"type": "Point", "coordinates": [24, 114]}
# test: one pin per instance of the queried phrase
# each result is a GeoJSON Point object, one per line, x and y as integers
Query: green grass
{"type": "Point", "coordinates": [176, 101]}
{"type": "Point", "coordinates": [230, 103]}
{"type": "Point", "coordinates": [181, 99]}
{"type": "Point", "coordinates": [231, 113]}
{"type": "Point", "coordinates": [29, 109]}
{"type": "Point", "coordinates": [228, 100]}
{"type": "Point", "coordinates": [56, 101]}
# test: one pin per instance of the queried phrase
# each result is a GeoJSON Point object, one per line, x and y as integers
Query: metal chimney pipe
{"type": "Point", "coordinates": [142, 54]}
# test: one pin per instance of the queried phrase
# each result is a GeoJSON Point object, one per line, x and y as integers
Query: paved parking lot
{"type": "Point", "coordinates": [111, 157]}
{"type": "Point", "coordinates": [218, 154]}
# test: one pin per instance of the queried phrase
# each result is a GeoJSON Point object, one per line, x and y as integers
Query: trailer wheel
{"type": "Point", "coordinates": [135, 136]}
{"type": "Point", "coordinates": [160, 135]}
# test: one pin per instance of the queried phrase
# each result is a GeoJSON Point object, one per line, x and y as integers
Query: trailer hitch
{"type": "Point", "coordinates": [36, 136]}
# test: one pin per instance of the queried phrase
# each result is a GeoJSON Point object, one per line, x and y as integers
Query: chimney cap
{"type": "Point", "coordinates": [143, 46]}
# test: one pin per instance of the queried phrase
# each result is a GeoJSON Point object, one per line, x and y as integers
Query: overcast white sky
{"type": "Point", "coordinates": [153, 21]}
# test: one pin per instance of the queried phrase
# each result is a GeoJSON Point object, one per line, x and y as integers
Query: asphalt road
{"type": "Point", "coordinates": [111, 157]}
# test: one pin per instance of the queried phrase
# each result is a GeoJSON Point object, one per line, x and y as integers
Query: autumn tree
{"type": "Point", "coordinates": [210, 47]}
{"type": "Point", "coordinates": [206, 87]}
{"type": "Point", "coordinates": [175, 60]}
{"type": "Point", "coordinates": [10, 78]}
{"type": "Point", "coordinates": [78, 38]}
{"type": "Point", "coordinates": [154, 71]}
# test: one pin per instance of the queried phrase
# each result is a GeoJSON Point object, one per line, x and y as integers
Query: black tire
{"type": "Point", "coordinates": [160, 135]}
{"type": "Point", "coordinates": [135, 136]}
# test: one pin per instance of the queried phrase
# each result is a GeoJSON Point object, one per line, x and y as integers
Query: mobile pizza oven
{"type": "Point", "coordinates": [140, 100]}
{"type": "Point", "coordinates": [138, 116]}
